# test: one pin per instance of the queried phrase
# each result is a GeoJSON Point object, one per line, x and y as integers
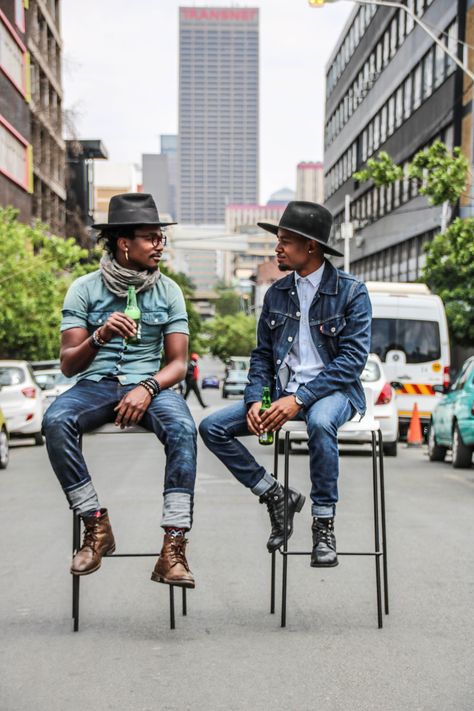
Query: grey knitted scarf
{"type": "Point", "coordinates": [117, 279]}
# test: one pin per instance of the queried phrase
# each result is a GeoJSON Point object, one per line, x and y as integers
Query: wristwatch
{"type": "Point", "coordinates": [298, 400]}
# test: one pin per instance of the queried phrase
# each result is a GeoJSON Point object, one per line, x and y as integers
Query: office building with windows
{"type": "Point", "coordinates": [15, 152]}
{"type": "Point", "coordinates": [218, 151]}
{"type": "Point", "coordinates": [310, 181]}
{"type": "Point", "coordinates": [390, 87]}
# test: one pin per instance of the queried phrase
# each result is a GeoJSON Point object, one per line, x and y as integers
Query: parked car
{"type": "Point", "coordinates": [210, 381]}
{"type": "Point", "coordinates": [21, 399]}
{"type": "Point", "coordinates": [234, 383]}
{"type": "Point", "coordinates": [375, 380]}
{"type": "Point", "coordinates": [4, 443]}
{"type": "Point", "coordinates": [452, 422]}
{"type": "Point", "coordinates": [53, 383]}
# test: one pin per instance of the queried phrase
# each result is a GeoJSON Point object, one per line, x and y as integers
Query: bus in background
{"type": "Point", "coordinates": [410, 336]}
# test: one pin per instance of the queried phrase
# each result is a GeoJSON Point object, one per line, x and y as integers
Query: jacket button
{"type": "Point", "coordinates": [290, 338]}
{"type": "Point", "coordinates": [272, 323]}
{"type": "Point", "coordinates": [278, 361]}
{"type": "Point", "coordinates": [298, 313]}
{"type": "Point", "coordinates": [333, 330]}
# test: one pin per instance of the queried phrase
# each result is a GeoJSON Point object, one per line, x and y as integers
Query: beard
{"type": "Point", "coordinates": [285, 268]}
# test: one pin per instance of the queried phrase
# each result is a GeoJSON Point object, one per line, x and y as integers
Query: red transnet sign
{"type": "Point", "coordinates": [217, 13]}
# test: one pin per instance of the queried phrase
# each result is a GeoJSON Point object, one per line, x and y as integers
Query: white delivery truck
{"type": "Point", "coordinates": [410, 336]}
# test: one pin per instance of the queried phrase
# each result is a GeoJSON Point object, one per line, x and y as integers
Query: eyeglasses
{"type": "Point", "coordinates": [154, 239]}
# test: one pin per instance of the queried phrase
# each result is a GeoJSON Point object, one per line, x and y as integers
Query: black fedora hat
{"type": "Point", "coordinates": [132, 210]}
{"type": "Point", "coordinates": [307, 219]}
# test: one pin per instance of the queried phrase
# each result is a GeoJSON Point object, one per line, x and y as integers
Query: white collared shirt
{"type": "Point", "coordinates": [303, 359]}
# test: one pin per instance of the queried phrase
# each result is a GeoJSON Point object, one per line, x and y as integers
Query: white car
{"type": "Point", "coordinates": [385, 406]}
{"type": "Point", "coordinates": [21, 399]}
{"type": "Point", "coordinates": [53, 383]}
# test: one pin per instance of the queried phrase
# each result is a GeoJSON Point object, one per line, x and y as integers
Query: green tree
{"type": "Point", "coordinates": [35, 271]}
{"type": "Point", "coordinates": [449, 272]}
{"type": "Point", "coordinates": [231, 335]}
{"type": "Point", "coordinates": [195, 324]}
{"type": "Point", "coordinates": [439, 174]}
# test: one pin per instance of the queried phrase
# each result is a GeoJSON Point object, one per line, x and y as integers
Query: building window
{"type": "Point", "coordinates": [14, 160]}
{"type": "Point", "coordinates": [396, 193]}
{"type": "Point", "coordinates": [383, 124]}
{"type": "Point", "coordinates": [376, 131]}
{"type": "Point", "coordinates": [364, 146]}
{"type": "Point", "coordinates": [406, 184]}
{"type": "Point", "coordinates": [370, 144]}
{"type": "Point", "coordinates": [12, 58]}
{"type": "Point", "coordinates": [399, 107]}
{"type": "Point", "coordinates": [378, 58]}
{"type": "Point", "coordinates": [20, 14]}
{"type": "Point", "coordinates": [393, 36]}
{"type": "Point", "coordinates": [401, 28]}
{"type": "Point", "coordinates": [386, 48]}
{"type": "Point", "coordinates": [428, 74]}
{"type": "Point", "coordinates": [410, 20]}
{"type": "Point", "coordinates": [417, 80]}
{"type": "Point", "coordinates": [439, 66]}
{"type": "Point", "coordinates": [452, 45]}
{"type": "Point", "coordinates": [407, 96]}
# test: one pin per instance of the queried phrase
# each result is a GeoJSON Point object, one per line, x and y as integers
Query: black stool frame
{"type": "Point", "coordinates": [380, 532]}
{"type": "Point", "coordinates": [76, 544]}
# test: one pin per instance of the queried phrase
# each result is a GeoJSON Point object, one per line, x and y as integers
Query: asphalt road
{"type": "Point", "coordinates": [229, 653]}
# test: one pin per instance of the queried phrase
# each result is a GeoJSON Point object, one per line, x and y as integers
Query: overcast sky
{"type": "Point", "coordinates": [121, 77]}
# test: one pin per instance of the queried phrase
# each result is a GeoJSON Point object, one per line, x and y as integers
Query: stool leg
{"type": "Point", "coordinates": [384, 525]}
{"type": "Point", "coordinates": [273, 556]}
{"type": "Point", "coordinates": [376, 528]}
{"type": "Point", "coordinates": [76, 538]}
{"type": "Point", "coordinates": [185, 606]}
{"type": "Point", "coordinates": [172, 619]}
{"type": "Point", "coordinates": [285, 532]}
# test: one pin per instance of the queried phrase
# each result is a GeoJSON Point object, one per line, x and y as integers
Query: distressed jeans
{"type": "Point", "coordinates": [88, 405]}
{"type": "Point", "coordinates": [221, 429]}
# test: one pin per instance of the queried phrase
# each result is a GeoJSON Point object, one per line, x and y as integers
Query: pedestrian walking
{"type": "Point", "coordinates": [192, 379]}
{"type": "Point", "coordinates": [312, 344]}
{"type": "Point", "coordinates": [121, 379]}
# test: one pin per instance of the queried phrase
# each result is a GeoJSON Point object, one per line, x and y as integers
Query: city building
{"type": "Point", "coordinates": [310, 182]}
{"type": "Point", "coordinates": [390, 87]}
{"type": "Point", "coordinates": [49, 150]}
{"type": "Point", "coordinates": [281, 198]}
{"type": "Point", "coordinates": [16, 178]}
{"type": "Point", "coordinates": [80, 157]}
{"type": "Point", "coordinates": [160, 174]}
{"type": "Point", "coordinates": [218, 146]}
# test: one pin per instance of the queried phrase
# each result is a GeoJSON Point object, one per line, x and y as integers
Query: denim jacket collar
{"type": "Point", "coordinates": [329, 282]}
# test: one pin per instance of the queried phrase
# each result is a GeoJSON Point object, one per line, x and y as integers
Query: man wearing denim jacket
{"type": "Point", "coordinates": [312, 344]}
{"type": "Point", "coordinates": [121, 379]}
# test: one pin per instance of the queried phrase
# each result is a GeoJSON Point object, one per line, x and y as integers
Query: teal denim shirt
{"type": "Point", "coordinates": [89, 303]}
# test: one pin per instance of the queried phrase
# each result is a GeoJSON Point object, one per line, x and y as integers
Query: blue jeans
{"type": "Point", "coordinates": [88, 405]}
{"type": "Point", "coordinates": [220, 429]}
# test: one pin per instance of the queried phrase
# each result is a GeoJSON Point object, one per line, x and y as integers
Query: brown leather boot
{"type": "Point", "coordinates": [172, 567]}
{"type": "Point", "coordinates": [98, 541]}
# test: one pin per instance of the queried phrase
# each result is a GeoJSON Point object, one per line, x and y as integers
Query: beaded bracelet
{"type": "Point", "coordinates": [96, 339]}
{"type": "Point", "coordinates": [152, 386]}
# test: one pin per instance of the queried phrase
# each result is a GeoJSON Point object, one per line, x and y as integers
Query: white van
{"type": "Point", "coordinates": [410, 336]}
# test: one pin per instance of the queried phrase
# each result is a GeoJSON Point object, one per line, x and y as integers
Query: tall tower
{"type": "Point", "coordinates": [218, 111]}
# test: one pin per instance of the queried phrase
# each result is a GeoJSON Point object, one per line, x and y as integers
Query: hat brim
{"type": "Point", "coordinates": [118, 225]}
{"type": "Point", "coordinates": [274, 229]}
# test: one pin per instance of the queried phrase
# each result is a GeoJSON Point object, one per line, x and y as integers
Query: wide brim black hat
{"type": "Point", "coordinates": [307, 219]}
{"type": "Point", "coordinates": [132, 210]}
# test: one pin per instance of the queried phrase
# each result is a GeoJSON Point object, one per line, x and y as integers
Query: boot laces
{"type": "Point", "coordinates": [90, 536]}
{"type": "Point", "coordinates": [177, 551]}
{"type": "Point", "coordinates": [324, 534]}
{"type": "Point", "coordinates": [274, 503]}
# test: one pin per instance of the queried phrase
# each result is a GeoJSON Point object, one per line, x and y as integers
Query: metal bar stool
{"type": "Point", "coordinates": [296, 430]}
{"type": "Point", "coordinates": [110, 429]}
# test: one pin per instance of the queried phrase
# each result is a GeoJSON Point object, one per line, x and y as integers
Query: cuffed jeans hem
{"type": "Point", "coordinates": [177, 510]}
{"type": "Point", "coordinates": [323, 511]}
{"type": "Point", "coordinates": [262, 486]}
{"type": "Point", "coordinates": [83, 499]}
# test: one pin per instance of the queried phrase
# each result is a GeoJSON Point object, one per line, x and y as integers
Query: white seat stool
{"type": "Point", "coordinates": [368, 426]}
{"type": "Point", "coordinates": [111, 429]}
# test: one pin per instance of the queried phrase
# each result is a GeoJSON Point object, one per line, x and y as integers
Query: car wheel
{"type": "Point", "coordinates": [39, 441]}
{"type": "Point", "coordinates": [462, 455]}
{"type": "Point", "coordinates": [4, 450]}
{"type": "Point", "coordinates": [390, 449]}
{"type": "Point", "coordinates": [436, 453]}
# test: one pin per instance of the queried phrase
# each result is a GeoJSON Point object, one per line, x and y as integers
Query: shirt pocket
{"type": "Point", "coordinates": [152, 323]}
{"type": "Point", "coordinates": [96, 319]}
{"type": "Point", "coordinates": [275, 320]}
{"type": "Point", "coordinates": [332, 327]}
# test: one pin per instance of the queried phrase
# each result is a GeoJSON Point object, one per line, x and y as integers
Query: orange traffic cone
{"type": "Point", "coordinates": [414, 434]}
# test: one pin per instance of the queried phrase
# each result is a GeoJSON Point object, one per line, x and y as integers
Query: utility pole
{"type": "Point", "coordinates": [347, 232]}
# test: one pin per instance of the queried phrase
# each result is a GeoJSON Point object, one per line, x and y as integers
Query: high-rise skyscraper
{"type": "Point", "coordinates": [218, 111]}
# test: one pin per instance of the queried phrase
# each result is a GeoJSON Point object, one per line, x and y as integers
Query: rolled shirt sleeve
{"type": "Point", "coordinates": [177, 315]}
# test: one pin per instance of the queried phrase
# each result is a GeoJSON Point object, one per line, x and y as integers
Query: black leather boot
{"type": "Point", "coordinates": [324, 553]}
{"type": "Point", "coordinates": [274, 499]}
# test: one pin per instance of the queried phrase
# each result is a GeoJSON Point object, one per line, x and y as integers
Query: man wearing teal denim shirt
{"type": "Point", "coordinates": [125, 382]}
{"type": "Point", "coordinates": [312, 344]}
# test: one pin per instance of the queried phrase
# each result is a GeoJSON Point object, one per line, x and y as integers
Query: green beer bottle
{"type": "Point", "coordinates": [266, 437]}
{"type": "Point", "coordinates": [133, 312]}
